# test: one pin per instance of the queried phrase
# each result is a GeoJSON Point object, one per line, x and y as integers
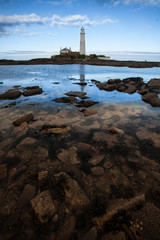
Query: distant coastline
{"type": "Point", "coordinates": [115, 63]}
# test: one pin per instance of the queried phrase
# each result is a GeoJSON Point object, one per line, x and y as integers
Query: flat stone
{"type": "Point", "coordinates": [67, 229]}
{"type": "Point", "coordinates": [90, 235]}
{"type": "Point", "coordinates": [96, 160]}
{"type": "Point", "coordinates": [26, 118]}
{"type": "Point", "coordinates": [3, 171]}
{"type": "Point", "coordinates": [27, 194]}
{"type": "Point", "coordinates": [10, 95]}
{"type": "Point", "coordinates": [90, 112]}
{"type": "Point", "coordinates": [43, 206]}
{"type": "Point", "coordinates": [76, 93]}
{"type": "Point", "coordinates": [74, 196]}
{"type": "Point", "coordinates": [32, 92]}
{"type": "Point", "coordinates": [55, 130]}
{"type": "Point", "coordinates": [69, 156]}
{"type": "Point", "coordinates": [115, 130]}
{"type": "Point", "coordinates": [27, 141]}
{"type": "Point", "coordinates": [97, 171]}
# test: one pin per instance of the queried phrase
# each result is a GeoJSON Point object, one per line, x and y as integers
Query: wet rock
{"type": "Point", "coordinates": [115, 130]}
{"type": "Point", "coordinates": [154, 82]}
{"type": "Point", "coordinates": [12, 94]}
{"type": "Point", "coordinates": [133, 80]}
{"type": "Point", "coordinates": [43, 206]}
{"type": "Point", "coordinates": [155, 102]}
{"type": "Point", "coordinates": [109, 87]}
{"type": "Point", "coordinates": [27, 141]}
{"type": "Point", "coordinates": [32, 87]}
{"type": "Point", "coordinates": [3, 171]}
{"type": "Point", "coordinates": [23, 126]}
{"type": "Point", "coordinates": [69, 156]}
{"type": "Point", "coordinates": [96, 160]}
{"type": "Point", "coordinates": [115, 236]}
{"type": "Point", "coordinates": [27, 194]}
{"type": "Point", "coordinates": [143, 91]}
{"type": "Point", "coordinates": [27, 118]}
{"type": "Point", "coordinates": [16, 172]}
{"type": "Point", "coordinates": [76, 94]}
{"type": "Point", "coordinates": [70, 99]}
{"type": "Point", "coordinates": [73, 194]}
{"type": "Point", "coordinates": [85, 147]}
{"type": "Point", "coordinates": [130, 89]}
{"type": "Point", "coordinates": [87, 103]}
{"type": "Point", "coordinates": [81, 83]}
{"type": "Point", "coordinates": [55, 130]}
{"type": "Point", "coordinates": [95, 81]}
{"type": "Point", "coordinates": [97, 171]}
{"type": "Point", "coordinates": [113, 81]}
{"type": "Point", "coordinates": [101, 85]}
{"type": "Point", "coordinates": [42, 175]}
{"type": "Point", "coordinates": [67, 229]}
{"type": "Point", "coordinates": [147, 97]}
{"type": "Point", "coordinates": [32, 92]}
{"type": "Point", "coordinates": [102, 137]}
{"type": "Point", "coordinates": [90, 112]}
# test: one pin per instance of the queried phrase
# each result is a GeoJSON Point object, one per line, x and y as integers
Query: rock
{"type": "Point", "coordinates": [70, 99]}
{"type": "Point", "coordinates": [1, 82]}
{"type": "Point", "coordinates": [42, 175]}
{"type": "Point", "coordinates": [73, 194]}
{"type": "Point", "coordinates": [69, 156]}
{"type": "Point", "coordinates": [143, 91]}
{"type": "Point", "coordinates": [147, 97]}
{"type": "Point", "coordinates": [102, 137]}
{"type": "Point", "coordinates": [101, 85]}
{"type": "Point", "coordinates": [32, 87]}
{"type": "Point", "coordinates": [12, 94]}
{"type": "Point", "coordinates": [95, 81]}
{"type": "Point", "coordinates": [96, 160]}
{"type": "Point", "coordinates": [90, 235]}
{"type": "Point", "coordinates": [55, 130]}
{"type": "Point", "coordinates": [113, 81]}
{"type": "Point", "coordinates": [23, 126]}
{"type": "Point", "coordinates": [26, 141]}
{"type": "Point", "coordinates": [81, 83]}
{"type": "Point", "coordinates": [155, 82]}
{"type": "Point", "coordinates": [97, 171]}
{"type": "Point", "coordinates": [32, 92]}
{"type": "Point", "coordinates": [67, 229]}
{"type": "Point", "coordinates": [3, 171]}
{"type": "Point", "coordinates": [130, 89]}
{"type": "Point", "coordinates": [27, 118]}
{"type": "Point", "coordinates": [85, 147]}
{"type": "Point", "coordinates": [43, 206]}
{"type": "Point", "coordinates": [87, 103]}
{"type": "Point", "coordinates": [16, 172]}
{"type": "Point", "coordinates": [134, 80]}
{"type": "Point", "coordinates": [109, 87]}
{"type": "Point", "coordinates": [12, 104]}
{"type": "Point", "coordinates": [115, 236]}
{"type": "Point", "coordinates": [76, 94]}
{"type": "Point", "coordinates": [27, 194]}
{"type": "Point", "coordinates": [155, 102]}
{"type": "Point", "coordinates": [115, 130]}
{"type": "Point", "coordinates": [90, 112]}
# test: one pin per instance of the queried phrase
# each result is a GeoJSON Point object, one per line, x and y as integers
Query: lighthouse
{"type": "Point", "coordinates": [82, 42]}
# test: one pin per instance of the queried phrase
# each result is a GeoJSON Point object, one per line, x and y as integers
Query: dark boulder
{"type": "Point", "coordinates": [27, 118]}
{"type": "Point", "coordinates": [32, 92]}
{"type": "Point", "coordinates": [12, 94]}
{"type": "Point", "coordinates": [147, 97]}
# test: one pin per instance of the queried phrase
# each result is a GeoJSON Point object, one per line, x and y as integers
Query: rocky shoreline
{"type": "Point", "coordinates": [80, 173]}
{"type": "Point", "coordinates": [59, 61]}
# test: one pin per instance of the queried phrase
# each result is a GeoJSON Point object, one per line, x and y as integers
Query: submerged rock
{"type": "Point", "coordinates": [55, 130]}
{"type": "Point", "coordinates": [27, 118]}
{"type": "Point", "coordinates": [74, 196]}
{"type": "Point", "coordinates": [97, 171]}
{"type": "Point", "coordinates": [3, 171]}
{"type": "Point", "coordinates": [87, 103]}
{"type": "Point", "coordinates": [43, 206]}
{"type": "Point", "coordinates": [115, 130]}
{"type": "Point", "coordinates": [27, 194]}
{"type": "Point", "coordinates": [90, 112]}
{"type": "Point", "coordinates": [90, 235]}
{"type": "Point", "coordinates": [96, 160]}
{"type": "Point", "coordinates": [12, 94]}
{"type": "Point", "coordinates": [67, 229]}
{"type": "Point", "coordinates": [76, 94]}
{"type": "Point", "coordinates": [69, 156]}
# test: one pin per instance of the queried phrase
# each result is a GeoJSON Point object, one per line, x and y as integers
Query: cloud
{"type": "Point", "coordinates": [61, 2]}
{"type": "Point", "coordinates": [56, 20]}
{"type": "Point", "coordinates": [126, 2]}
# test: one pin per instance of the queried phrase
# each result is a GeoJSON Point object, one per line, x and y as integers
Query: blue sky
{"type": "Point", "coordinates": [39, 28]}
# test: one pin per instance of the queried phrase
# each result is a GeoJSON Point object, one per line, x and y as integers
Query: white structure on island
{"type": "Point", "coordinates": [82, 42]}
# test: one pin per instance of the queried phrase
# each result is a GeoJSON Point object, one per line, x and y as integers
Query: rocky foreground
{"type": "Point", "coordinates": [59, 61]}
{"type": "Point", "coordinates": [80, 175]}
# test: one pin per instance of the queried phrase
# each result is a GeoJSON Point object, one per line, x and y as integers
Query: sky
{"type": "Point", "coordinates": [38, 28]}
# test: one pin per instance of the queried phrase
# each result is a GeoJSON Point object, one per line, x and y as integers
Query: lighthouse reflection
{"type": "Point", "coordinates": [82, 77]}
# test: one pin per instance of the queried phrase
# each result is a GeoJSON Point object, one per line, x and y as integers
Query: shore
{"type": "Point", "coordinates": [114, 63]}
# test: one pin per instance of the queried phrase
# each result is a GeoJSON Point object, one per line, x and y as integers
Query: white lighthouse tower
{"type": "Point", "coordinates": [82, 42]}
